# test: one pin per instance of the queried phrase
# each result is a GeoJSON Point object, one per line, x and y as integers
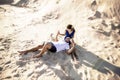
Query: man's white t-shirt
{"type": "Point", "coordinates": [61, 45]}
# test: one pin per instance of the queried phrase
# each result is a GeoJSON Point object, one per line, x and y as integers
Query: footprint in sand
{"type": "Point", "coordinates": [20, 63]}
{"type": "Point", "coordinates": [1, 68]}
{"type": "Point", "coordinates": [5, 44]}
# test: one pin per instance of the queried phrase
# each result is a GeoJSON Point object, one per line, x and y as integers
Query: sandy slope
{"type": "Point", "coordinates": [98, 43]}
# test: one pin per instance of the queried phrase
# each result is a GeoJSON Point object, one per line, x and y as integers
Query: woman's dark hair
{"type": "Point", "coordinates": [70, 27]}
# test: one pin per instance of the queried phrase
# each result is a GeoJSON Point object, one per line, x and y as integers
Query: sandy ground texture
{"type": "Point", "coordinates": [27, 23]}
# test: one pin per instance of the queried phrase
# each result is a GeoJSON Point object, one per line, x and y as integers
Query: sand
{"type": "Point", "coordinates": [26, 24]}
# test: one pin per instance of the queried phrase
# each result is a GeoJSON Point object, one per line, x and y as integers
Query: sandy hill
{"type": "Point", "coordinates": [26, 23]}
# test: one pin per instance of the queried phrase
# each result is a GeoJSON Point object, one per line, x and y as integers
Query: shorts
{"type": "Point", "coordinates": [53, 48]}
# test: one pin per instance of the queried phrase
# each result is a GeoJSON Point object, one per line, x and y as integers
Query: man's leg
{"type": "Point", "coordinates": [44, 49]}
{"type": "Point", "coordinates": [30, 50]}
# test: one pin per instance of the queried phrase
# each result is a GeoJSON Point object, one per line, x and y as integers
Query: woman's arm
{"type": "Point", "coordinates": [72, 48]}
{"type": "Point", "coordinates": [61, 33]}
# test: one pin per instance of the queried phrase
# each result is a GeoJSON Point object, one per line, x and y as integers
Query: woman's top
{"type": "Point", "coordinates": [71, 35]}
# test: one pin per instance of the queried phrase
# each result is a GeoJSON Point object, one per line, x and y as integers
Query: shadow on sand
{"type": "Point", "coordinates": [67, 71]}
{"type": "Point", "coordinates": [91, 60]}
{"type": "Point", "coordinates": [21, 3]}
{"type": "Point", "coordinates": [6, 2]}
{"type": "Point", "coordinates": [58, 64]}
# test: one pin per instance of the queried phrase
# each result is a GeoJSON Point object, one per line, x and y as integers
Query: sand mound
{"type": "Point", "coordinates": [28, 23]}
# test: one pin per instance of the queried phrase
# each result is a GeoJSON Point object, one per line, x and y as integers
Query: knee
{"type": "Point", "coordinates": [69, 53]}
{"type": "Point", "coordinates": [48, 45]}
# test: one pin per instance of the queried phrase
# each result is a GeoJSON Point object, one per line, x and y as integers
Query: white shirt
{"type": "Point", "coordinates": [61, 45]}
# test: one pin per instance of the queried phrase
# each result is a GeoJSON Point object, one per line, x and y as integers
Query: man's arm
{"type": "Point", "coordinates": [56, 38]}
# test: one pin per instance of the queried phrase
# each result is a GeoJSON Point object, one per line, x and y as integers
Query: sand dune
{"type": "Point", "coordinates": [27, 23]}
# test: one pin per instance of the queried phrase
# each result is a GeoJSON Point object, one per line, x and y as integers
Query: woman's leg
{"type": "Point", "coordinates": [73, 54]}
{"type": "Point", "coordinates": [76, 56]}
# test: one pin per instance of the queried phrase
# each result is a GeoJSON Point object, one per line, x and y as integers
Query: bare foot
{"type": "Point", "coordinates": [22, 52]}
{"type": "Point", "coordinates": [76, 62]}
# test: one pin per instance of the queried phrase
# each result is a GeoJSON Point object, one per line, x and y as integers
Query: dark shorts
{"type": "Point", "coordinates": [53, 48]}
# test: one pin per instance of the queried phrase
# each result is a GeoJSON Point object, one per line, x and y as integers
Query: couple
{"type": "Point", "coordinates": [67, 44]}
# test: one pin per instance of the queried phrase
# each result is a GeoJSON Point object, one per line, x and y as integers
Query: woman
{"type": "Point", "coordinates": [70, 32]}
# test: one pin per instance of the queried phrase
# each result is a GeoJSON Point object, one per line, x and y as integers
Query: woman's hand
{"type": "Point", "coordinates": [58, 33]}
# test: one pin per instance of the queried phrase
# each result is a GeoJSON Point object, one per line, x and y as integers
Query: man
{"type": "Point", "coordinates": [53, 47]}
